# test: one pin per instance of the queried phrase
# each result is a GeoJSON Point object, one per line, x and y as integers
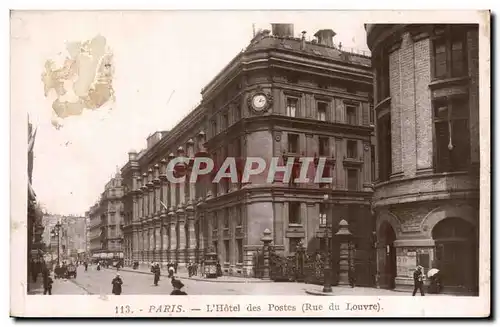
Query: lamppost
{"type": "Point", "coordinates": [327, 286]}
{"type": "Point", "coordinates": [56, 231]}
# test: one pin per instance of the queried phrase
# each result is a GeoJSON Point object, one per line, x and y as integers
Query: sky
{"type": "Point", "coordinates": [162, 61]}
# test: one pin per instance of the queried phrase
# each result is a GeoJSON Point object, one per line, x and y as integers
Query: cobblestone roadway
{"type": "Point", "coordinates": [99, 282]}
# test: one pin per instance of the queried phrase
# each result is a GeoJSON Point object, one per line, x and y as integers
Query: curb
{"type": "Point", "coordinates": [206, 280]}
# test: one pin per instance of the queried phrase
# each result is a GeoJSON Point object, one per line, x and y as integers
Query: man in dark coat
{"type": "Point", "coordinates": [418, 279]}
{"type": "Point", "coordinates": [117, 285]}
{"type": "Point", "coordinates": [352, 275]}
{"type": "Point", "coordinates": [156, 272]}
{"type": "Point", "coordinates": [177, 284]}
{"type": "Point", "coordinates": [47, 282]}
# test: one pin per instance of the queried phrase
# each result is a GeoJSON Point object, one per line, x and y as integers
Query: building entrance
{"type": "Point", "coordinates": [457, 251]}
{"type": "Point", "coordinates": [387, 256]}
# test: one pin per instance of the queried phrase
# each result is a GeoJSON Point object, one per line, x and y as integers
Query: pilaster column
{"type": "Point", "coordinates": [158, 240]}
{"type": "Point", "coordinates": [191, 235]}
{"type": "Point", "coordinates": [151, 191]}
{"type": "Point", "coordinates": [140, 245]}
{"type": "Point", "coordinates": [201, 236]}
{"type": "Point", "coordinates": [145, 196]}
{"type": "Point", "coordinates": [181, 230]}
{"type": "Point", "coordinates": [165, 241]}
{"type": "Point", "coordinates": [135, 244]}
{"type": "Point", "coordinates": [173, 189]}
{"type": "Point", "coordinates": [140, 202]}
{"type": "Point", "coordinates": [173, 237]}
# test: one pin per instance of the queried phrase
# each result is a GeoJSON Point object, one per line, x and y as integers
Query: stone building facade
{"type": "Point", "coordinates": [105, 234]}
{"type": "Point", "coordinates": [281, 97]}
{"type": "Point", "coordinates": [427, 122]}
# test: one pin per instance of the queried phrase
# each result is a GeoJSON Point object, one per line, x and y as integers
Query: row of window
{"type": "Point", "coordinates": [226, 217]}
{"type": "Point", "coordinates": [292, 110]}
{"type": "Point", "coordinates": [323, 146]}
{"type": "Point", "coordinates": [226, 255]}
{"type": "Point", "coordinates": [323, 112]}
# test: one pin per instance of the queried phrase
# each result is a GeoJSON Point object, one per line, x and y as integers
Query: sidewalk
{"type": "Point", "coordinates": [180, 275]}
{"type": "Point", "coordinates": [60, 287]}
{"type": "Point", "coordinates": [35, 288]}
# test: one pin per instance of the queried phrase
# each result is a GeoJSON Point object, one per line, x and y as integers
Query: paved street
{"type": "Point", "coordinates": [99, 282]}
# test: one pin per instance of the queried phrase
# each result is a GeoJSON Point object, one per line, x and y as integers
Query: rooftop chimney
{"type": "Point", "coordinates": [325, 37]}
{"type": "Point", "coordinates": [282, 30]}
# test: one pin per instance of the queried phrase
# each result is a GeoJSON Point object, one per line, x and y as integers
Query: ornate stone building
{"type": "Point", "coordinates": [105, 234]}
{"type": "Point", "coordinates": [281, 97]}
{"type": "Point", "coordinates": [427, 121]}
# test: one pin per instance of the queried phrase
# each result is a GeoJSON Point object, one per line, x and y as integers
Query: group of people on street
{"type": "Point", "coordinates": [117, 281]}
{"type": "Point", "coordinates": [192, 268]}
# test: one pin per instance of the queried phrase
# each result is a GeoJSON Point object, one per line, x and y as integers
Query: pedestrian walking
{"type": "Point", "coordinates": [219, 269]}
{"type": "Point", "coordinates": [86, 265]}
{"type": "Point", "coordinates": [177, 284]}
{"type": "Point", "coordinates": [117, 283]}
{"type": "Point", "coordinates": [47, 282]}
{"type": "Point", "coordinates": [352, 275]}
{"type": "Point", "coordinates": [156, 272]}
{"type": "Point", "coordinates": [195, 269]}
{"type": "Point", "coordinates": [171, 271]}
{"type": "Point", "coordinates": [418, 279]}
{"type": "Point", "coordinates": [175, 267]}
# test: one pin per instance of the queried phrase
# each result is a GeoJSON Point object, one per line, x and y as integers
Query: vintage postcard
{"type": "Point", "coordinates": [260, 163]}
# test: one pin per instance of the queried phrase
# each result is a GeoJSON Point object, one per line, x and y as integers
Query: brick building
{"type": "Point", "coordinates": [281, 97]}
{"type": "Point", "coordinates": [427, 121]}
{"type": "Point", "coordinates": [105, 231]}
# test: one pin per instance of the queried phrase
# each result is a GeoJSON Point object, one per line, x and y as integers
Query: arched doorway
{"type": "Point", "coordinates": [457, 252]}
{"type": "Point", "coordinates": [387, 256]}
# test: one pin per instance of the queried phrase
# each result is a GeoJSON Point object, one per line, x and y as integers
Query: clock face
{"type": "Point", "coordinates": [259, 101]}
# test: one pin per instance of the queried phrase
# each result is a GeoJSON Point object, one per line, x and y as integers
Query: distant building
{"type": "Point", "coordinates": [427, 121]}
{"type": "Point", "coordinates": [105, 235]}
{"type": "Point", "coordinates": [72, 239]}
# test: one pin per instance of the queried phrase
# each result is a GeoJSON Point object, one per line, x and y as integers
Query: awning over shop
{"type": "Point", "coordinates": [109, 255]}
{"type": "Point", "coordinates": [121, 254]}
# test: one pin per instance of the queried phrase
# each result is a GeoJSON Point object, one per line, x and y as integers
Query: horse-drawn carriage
{"type": "Point", "coordinates": [65, 271]}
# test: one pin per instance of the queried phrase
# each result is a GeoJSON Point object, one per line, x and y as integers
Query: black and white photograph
{"type": "Point", "coordinates": [300, 155]}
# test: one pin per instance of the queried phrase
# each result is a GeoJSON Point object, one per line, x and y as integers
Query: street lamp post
{"type": "Point", "coordinates": [327, 286]}
{"type": "Point", "coordinates": [56, 232]}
